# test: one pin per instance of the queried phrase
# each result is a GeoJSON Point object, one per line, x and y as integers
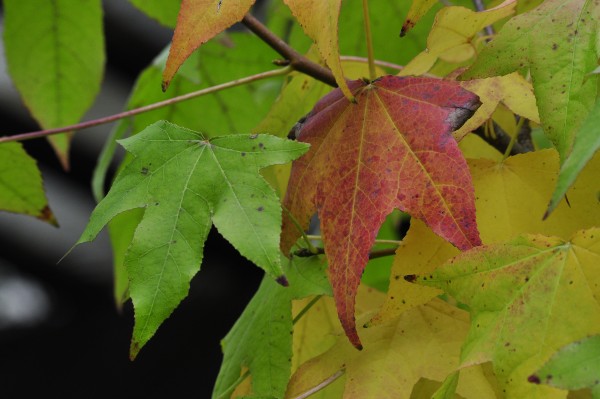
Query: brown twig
{"type": "Point", "coordinates": [479, 6]}
{"type": "Point", "coordinates": [501, 140]}
{"type": "Point", "coordinates": [294, 59]}
{"type": "Point", "coordinates": [380, 253]}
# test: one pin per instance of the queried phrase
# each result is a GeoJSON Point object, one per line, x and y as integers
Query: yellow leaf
{"type": "Point", "coordinates": [319, 20]}
{"type": "Point", "coordinates": [522, 295]}
{"type": "Point", "coordinates": [474, 146]}
{"type": "Point", "coordinates": [197, 22]}
{"type": "Point", "coordinates": [418, 8]}
{"type": "Point", "coordinates": [452, 33]}
{"type": "Point", "coordinates": [510, 198]}
{"type": "Point", "coordinates": [424, 343]}
{"type": "Point", "coordinates": [513, 90]}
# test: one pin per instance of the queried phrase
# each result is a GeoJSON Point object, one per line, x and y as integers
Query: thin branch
{"type": "Point", "coordinates": [322, 385]}
{"type": "Point", "coordinates": [372, 73]}
{"type": "Point", "coordinates": [293, 58]}
{"type": "Point", "coordinates": [147, 108]}
{"type": "Point", "coordinates": [501, 140]}
{"type": "Point", "coordinates": [380, 63]}
{"type": "Point", "coordinates": [379, 253]}
{"type": "Point", "coordinates": [306, 309]}
{"type": "Point", "coordinates": [479, 6]}
{"type": "Point", "coordinates": [377, 241]}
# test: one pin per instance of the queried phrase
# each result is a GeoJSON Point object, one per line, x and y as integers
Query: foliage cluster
{"type": "Point", "coordinates": [478, 126]}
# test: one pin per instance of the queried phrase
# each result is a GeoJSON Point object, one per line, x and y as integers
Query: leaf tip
{"type": "Point", "coordinates": [408, 25]}
{"type": "Point", "coordinates": [165, 85]}
{"type": "Point", "coordinates": [134, 350]}
{"type": "Point", "coordinates": [534, 379]}
{"type": "Point", "coordinates": [46, 215]}
{"type": "Point", "coordinates": [282, 280]}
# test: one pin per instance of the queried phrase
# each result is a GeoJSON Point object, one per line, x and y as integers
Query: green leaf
{"type": "Point", "coordinates": [522, 295]}
{"type": "Point", "coordinates": [558, 42]}
{"type": "Point", "coordinates": [164, 11]}
{"type": "Point", "coordinates": [21, 189]}
{"type": "Point", "coordinates": [261, 339]}
{"type": "Point", "coordinates": [574, 366]}
{"type": "Point", "coordinates": [586, 144]}
{"type": "Point", "coordinates": [186, 182]}
{"type": "Point", "coordinates": [55, 56]}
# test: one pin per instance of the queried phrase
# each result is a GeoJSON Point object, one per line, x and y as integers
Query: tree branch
{"type": "Point", "coordinates": [380, 253]}
{"type": "Point", "coordinates": [151, 107]}
{"type": "Point", "coordinates": [502, 139]}
{"type": "Point", "coordinates": [293, 58]}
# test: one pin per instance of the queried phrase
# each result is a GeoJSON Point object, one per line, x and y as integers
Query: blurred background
{"type": "Point", "coordinates": [60, 331]}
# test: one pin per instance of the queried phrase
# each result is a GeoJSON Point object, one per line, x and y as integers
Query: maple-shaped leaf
{"type": "Point", "coordinates": [319, 20]}
{"type": "Point", "coordinates": [199, 21]}
{"type": "Point", "coordinates": [558, 42]}
{"type": "Point", "coordinates": [521, 296]}
{"type": "Point", "coordinates": [452, 34]}
{"type": "Point", "coordinates": [185, 183]}
{"type": "Point", "coordinates": [423, 344]}
{"type": "Point", "coordinates": [392, 149]}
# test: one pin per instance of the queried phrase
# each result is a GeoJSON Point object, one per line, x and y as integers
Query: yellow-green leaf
{"type": "Point", "coordinates": [513, 90]}
{"type": "Point", "coordinates": [418, 8]}
{"type": "Point", "coordinates": [55, 56]}
{"type": "Point", "coordinates": [198, 22]}
{"type": "Point", "coordinates": [319, 19]}
{"type": "Point", "coordinates": [452, 34]}
{"type": "Point", "coordinates": [522, 296]}
{"type": "Point", "coordinates": [558, 42]}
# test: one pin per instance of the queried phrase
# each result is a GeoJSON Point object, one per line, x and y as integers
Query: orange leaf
{"type": "Point", "coordinates": [198, 22]}
{"type": "Point", "coordinates": [393, 149]}
{"type": "Point", "coordinates": [319, 20]}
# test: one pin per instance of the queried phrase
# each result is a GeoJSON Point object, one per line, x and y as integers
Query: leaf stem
{"type": "Point", "coordinates": [311, 248]}
{"type": "Point", "coordinates": [372, 72]}
{"type": "Point", "coordinates": [328, 381]}
{"type": "Point", "coordinates": [380, 253]}
{"type": "Point", "coordinates": [306, 309]}
{"type": "Point", "coordinates": [147, 108]}
{"type": "Point", "coordinates": [489, 29]}
{"type": "Point", "coordinates": [391, 242]}
{"type": "Point", "coordinates": [380, 63]}
{"type": "Point", "coordinates": [513, 139]}
{"type": "Point", "coordinates": [293, 58]}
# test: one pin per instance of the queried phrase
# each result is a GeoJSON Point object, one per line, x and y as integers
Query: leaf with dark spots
{"type": "Point", "coordinates": [532, 284]}
{"type": "Point", "coordinates": [393, 149]}
{"type": "Point", "coordinates": [183, 194]}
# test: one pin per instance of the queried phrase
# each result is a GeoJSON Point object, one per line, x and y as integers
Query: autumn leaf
{"type": "Point", "coordinates": [418, 8]}
{"type": "Point", "coordinates": [521, 295]}
{"type": "Point", "coordinates": [507, 195]}
{"type": "Point", "coordinates": [319, 19]}
{"type": "Point", "coordinates": [396, 357]}
{"type": "Point", "coordinates": [21, 188]}
{"type": "Point", "coordinates": [585, 146]}
{"type": "Point", "coordinates": [512, 90]}
{"type": "Point", "coordinates": [261, 339]}
{"type": "Point", "coordinates": [185, 183]}
{"type": "Point", "coordinates": [55, 56]}
{"type": "Point", "coordinates": [393, 149]}
{"type": "Point", "coordinates": [557, 42]}
{"type": "Point", "coordinates": [452, 33]}
{"type": "Point", "coordinates": [575, 366]}
{"type": "Point", "coordinates": [199, 21]}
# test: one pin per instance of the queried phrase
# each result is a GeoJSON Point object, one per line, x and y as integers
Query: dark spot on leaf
{"type": "Point", "coordinates": [157, 203]}
{"type": "Point", "coordinates": [243, 154]}
{"type": "Point", "coordinates": [282, 280]}
{"type": "Point", "coordinates": [410, 278]}
{"type": "Point", "coordinates": [554, 46]}
{"type": "Point", "coordinates": [253, 136]}
{"type": "Point", "coordinates": [144, 171]}
{"type": "Point", "coordinates": [260, 209]}
{"type": "Point", "coordinates": [261, 145]}
{"type": "Point", "coordinates": [396, 277]}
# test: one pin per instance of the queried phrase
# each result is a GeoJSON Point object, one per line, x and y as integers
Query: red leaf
{"type": "Point", "coordinates": [393, 149]}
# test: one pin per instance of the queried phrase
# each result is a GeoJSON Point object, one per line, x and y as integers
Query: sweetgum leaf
{"type": "Point", "coordinates": [558, 42]}
{"type": "Point", "coordinates": [521, 296]}
{"type": "Point", "coordinates": [185, 183]}
{"type": "Point", "coordinates": [452, 34]}
{"type": "Point", "coordinates": [261, 339]}
{"type": "Point", "coordinates": [55, 56]}
{"type": "Point", "coordinates": [574, 366]}
{"type": "Point", "coordinates": [585, 146]}
{"type": "Point", "coordinates": [393, 149]}
{"type": "Point", "coordinates": [21, 189]}
{"type": "Point", "coordinates": [319, 19]}
{"type": "Point", "coordinates": [199, 21]}
{"type": "Point", "coordinates": [396, 356]}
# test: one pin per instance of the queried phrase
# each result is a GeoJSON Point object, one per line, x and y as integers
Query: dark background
{"type": "Point", "coordinates": [60, 331]}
